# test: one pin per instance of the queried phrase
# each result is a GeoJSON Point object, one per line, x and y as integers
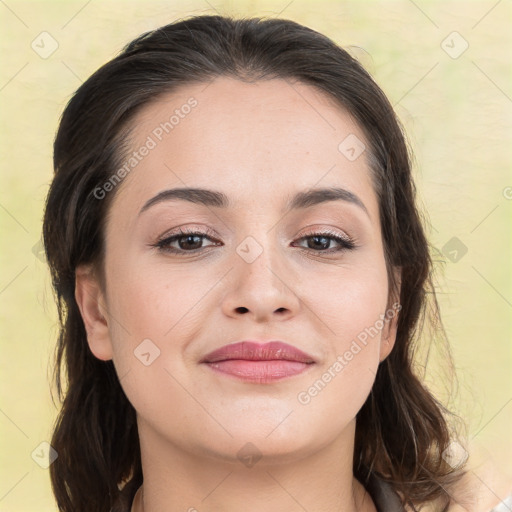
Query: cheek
{"type": "Point", "coordinates": [157, 302]}
{"type": "Point", "coordinates": [349, 303]}
{"type": "Point", "coordinates": [156, 313]}
{"type": "Point", "coordinates": [349, 307]}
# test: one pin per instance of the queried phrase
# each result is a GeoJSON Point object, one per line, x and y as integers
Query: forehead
{"type": "Point", "coordinates": [255, 139]}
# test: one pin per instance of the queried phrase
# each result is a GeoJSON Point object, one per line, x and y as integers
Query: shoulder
{"type": "Point", "coordinates": [484, 488]}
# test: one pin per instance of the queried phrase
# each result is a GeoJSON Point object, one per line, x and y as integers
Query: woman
{"type": "Point", "coordinates": [241, 274]}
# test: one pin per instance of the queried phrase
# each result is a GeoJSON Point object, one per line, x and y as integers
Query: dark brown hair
{"type": "Point", "coordinates": [401, 430]}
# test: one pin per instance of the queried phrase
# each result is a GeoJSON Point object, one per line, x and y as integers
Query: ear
{"type": "Point", "coordinates": [91, 303]}
{"type": "Point", "coordinates": [391, 318]}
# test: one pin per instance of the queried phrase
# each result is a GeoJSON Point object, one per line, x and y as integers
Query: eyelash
{"type": "Point", "coordinates": [346, 244]}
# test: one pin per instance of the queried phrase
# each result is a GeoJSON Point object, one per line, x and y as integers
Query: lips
{"type": "Point", "coordinates": [250, 361]}
{"type": "Point", "coordinates": [253, 351]}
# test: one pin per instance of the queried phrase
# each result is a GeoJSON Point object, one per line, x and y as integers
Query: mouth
{"type": "Point", "coordinates": [261, 363]}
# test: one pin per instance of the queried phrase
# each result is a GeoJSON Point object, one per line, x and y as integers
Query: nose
{"type": "Point", "coordinates": [262, 289]}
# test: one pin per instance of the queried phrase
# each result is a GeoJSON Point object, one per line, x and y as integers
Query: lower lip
{"type": "Point", "coordinates": [259, 371]}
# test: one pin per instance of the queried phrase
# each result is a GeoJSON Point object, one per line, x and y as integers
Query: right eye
{"type": "Point", "coordinates": [188, 241]}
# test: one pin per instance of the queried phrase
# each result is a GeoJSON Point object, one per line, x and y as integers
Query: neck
{"type": "Point", "coordinates": [177, 480]}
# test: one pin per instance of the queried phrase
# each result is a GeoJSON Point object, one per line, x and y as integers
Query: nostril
{"type": "Point", "coordinates": [242, 309]}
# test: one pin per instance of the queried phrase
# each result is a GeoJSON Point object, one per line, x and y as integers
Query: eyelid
{"type": "Point", "coordinates": [188, 230]}
{"type": "Point", "coordinates": [312, 231]}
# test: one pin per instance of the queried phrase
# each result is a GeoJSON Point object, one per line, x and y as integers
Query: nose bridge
{"type": "Point", "coordinates": [261, 258]}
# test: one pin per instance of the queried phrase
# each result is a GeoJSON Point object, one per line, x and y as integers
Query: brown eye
{"type": "Point", "coordinates": [189, 242]}
{"type": "Point", "coordinates": [321, 242]}
{"type": "Point", "coordinates": [184, 241]}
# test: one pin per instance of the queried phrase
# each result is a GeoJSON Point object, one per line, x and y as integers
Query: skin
{"type": "Point", "coordinates": [259, 143]}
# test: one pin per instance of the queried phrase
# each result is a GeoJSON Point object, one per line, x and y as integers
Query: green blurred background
{"type": "Point", "coordinates": [446, 67]}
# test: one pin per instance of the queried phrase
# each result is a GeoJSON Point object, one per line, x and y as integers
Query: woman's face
{"type": "Point", "coordinates": [275, 262]}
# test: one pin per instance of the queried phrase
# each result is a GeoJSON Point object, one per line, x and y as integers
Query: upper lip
{"type": "Point", "coordinates": [254, 351]}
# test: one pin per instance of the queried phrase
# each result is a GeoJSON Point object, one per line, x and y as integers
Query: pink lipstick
{"type": "Point", "coordinates": [262, 363]}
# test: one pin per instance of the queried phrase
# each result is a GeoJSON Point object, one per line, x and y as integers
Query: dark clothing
{"type": "Point", "coordinates": [383, 495]}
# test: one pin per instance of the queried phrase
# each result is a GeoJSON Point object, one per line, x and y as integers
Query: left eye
{"type": "Point", "coordinates": [322, 241]}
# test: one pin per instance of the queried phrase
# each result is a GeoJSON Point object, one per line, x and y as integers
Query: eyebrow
{"type": "Point", "coordinates": [217, 199]}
